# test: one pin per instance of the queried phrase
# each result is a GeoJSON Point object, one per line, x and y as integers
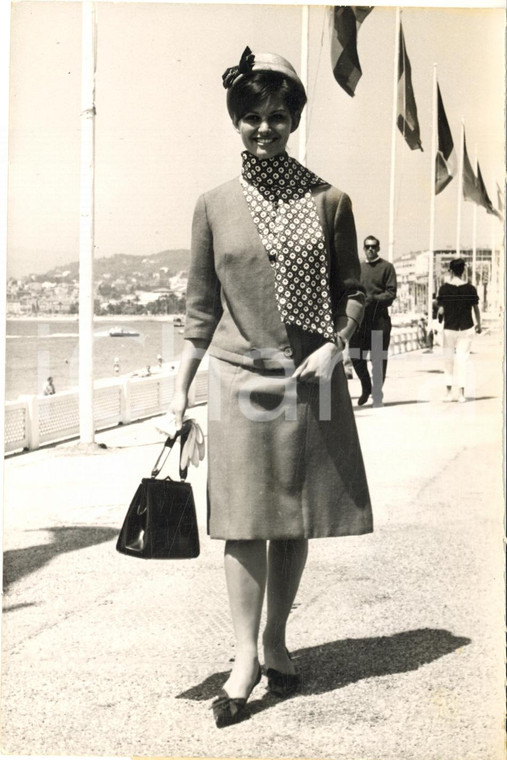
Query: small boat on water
{"type": "Point", "coordinates": [122, 332]}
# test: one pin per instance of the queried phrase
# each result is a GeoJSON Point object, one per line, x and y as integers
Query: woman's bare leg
{"type": "Point", "coordinates": [245, 573]}
{"type": "Point", "coordinates": [286, 562]}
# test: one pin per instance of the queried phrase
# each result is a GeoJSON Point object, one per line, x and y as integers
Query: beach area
{"type": "Point", "coordinates": [39, 347]}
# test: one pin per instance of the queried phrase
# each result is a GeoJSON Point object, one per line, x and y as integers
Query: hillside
{"type": "Point", "coordinates": [122, 264]}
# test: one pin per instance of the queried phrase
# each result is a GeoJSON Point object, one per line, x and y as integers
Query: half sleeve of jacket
{"type": "Point", "coordinates": [204, 307]}
{"type": "Point", "coordinates": [347, 292]}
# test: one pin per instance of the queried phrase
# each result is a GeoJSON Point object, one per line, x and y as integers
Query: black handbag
{"type": "Point", "coordinates": [161, 521]}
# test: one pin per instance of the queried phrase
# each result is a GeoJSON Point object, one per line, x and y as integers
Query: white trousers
{"type": "Point", "coordinates": [456, 350]}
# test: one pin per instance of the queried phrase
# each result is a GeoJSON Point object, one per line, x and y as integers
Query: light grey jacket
{"type": "Point", "coordinates": [231, 302]}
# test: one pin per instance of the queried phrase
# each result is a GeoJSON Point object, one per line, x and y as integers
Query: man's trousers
{"type": "Point", "coordinates": [373, 338]}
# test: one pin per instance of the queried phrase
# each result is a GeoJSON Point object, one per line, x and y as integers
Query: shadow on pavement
{"type": "Point", "coordinates": [405, 403]}
{"type": "Point", "coordinates": [12, 607]}
{"type": "Point", "coordinates": [339, 663]}
{"type": "Point", "coordinates": [369, 406]}
{"type": "Point", "coordinates": [20, 562]}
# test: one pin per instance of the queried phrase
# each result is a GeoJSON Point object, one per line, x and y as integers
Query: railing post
{"type": "Point", "coordinates": [125, 402]}
{"type": "Point", "coordinates": [33, 432]}
{"type": "Point", "coordinates": [159, 394]}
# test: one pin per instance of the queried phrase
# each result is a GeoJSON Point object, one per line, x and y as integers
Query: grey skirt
{"type": "Point", "coordinates": [284, 457]}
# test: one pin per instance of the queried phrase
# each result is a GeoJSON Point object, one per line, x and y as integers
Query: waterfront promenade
{"type": "Point", "coordinates": [398, 635]}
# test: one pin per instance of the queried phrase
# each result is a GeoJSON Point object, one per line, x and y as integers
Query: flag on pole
{"type": "Point", "coordinates": [446, 155]}
{"type": "Point", "coordinates": [408, 123]}
{"type": "Point", "coordinates": [485, 199]}
{"type": "Point", "coordinates": [471, 191]}
{"type": "Point", "coordinates": [345, 21]}
{"type": "Point", "coordinates": [499, 198]}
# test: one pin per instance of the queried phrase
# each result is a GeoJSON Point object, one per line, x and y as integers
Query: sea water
{"type": "Point", "coordinates": [36, 349]}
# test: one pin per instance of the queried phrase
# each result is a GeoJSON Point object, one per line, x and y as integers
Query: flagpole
{"type": "Point", "coordinates": [493, 299]}
{"type": "Point", "coordinates": [474, 247]}
{"type": "Point", "coordinates": [305, 27]}
{"type": "Point", "coordinates": [474, 239]}
{"type": "Point", "coordinates": [390, 250]}
{"type": "Point", "coordinates": [431, 252]}
{"type": "Point", "coordinates": [460, 188]}
{"type": "Point", "coordinates": [86, 224]}
{"type": "Point", "coordinates": [501, 252]}
{"type": "Point", "coordinates": [495, 262]}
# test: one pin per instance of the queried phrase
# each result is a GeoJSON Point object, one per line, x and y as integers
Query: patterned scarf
{"type": "Point", "coordinates": [278, 193]}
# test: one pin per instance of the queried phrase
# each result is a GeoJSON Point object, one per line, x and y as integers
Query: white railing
{"type": "Point", "coordinates": [35, 420]}
{"type": "Point", "coordinates": [406, 339]}
{"type": "Point", "coordinates": [32, 421]}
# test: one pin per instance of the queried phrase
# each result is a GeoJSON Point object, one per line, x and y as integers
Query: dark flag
{"type": "Point", "coordinates": [471, 190]}
{"type": "Point", "coordinates": [407, 109]}
{"type": "Point", "coordinates": [345, 23]}
{"type": "Point", "coordinates": [446, 155]}
{"type": "Point", "coordinates": [486, 201]}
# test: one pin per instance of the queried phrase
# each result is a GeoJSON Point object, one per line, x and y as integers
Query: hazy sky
{"type": "Point", "coordinates": [163, 134]}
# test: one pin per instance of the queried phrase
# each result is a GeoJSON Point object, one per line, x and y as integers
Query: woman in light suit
{"type": "Point", "coordinates": [273, 296]}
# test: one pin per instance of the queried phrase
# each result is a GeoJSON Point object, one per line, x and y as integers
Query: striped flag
{"type": "Point", "coordinates": [408, 123]}
{"type": "Point", "coordinates": [486, 201]}
{"type": "Point", "coordinates": [471, 190]}
{"type": "Point", "coordinates": [446, 155]}
{"type": "Point", "coordinates": [345, 21]}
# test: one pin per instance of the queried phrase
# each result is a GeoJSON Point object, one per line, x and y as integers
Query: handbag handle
{"type": "Point", "coordinates": [182, 434]}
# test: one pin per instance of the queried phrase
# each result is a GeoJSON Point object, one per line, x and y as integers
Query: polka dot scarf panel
{"type": "Point", "coordinates": [278, 195]}
{"type": "Point", "coordinates": [278, 178]}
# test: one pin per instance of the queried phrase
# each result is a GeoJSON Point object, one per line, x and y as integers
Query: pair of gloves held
{"type": "Point", "coordinates": [193, 449]}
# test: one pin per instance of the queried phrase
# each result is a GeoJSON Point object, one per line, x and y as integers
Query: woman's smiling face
{"type": "Point", "coordinates": [266, 128]}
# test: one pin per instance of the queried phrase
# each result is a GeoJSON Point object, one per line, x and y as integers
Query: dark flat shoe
{"type": "Point", "coordinates": [228, 710]}
{"type": "Point", "coordinates": [283, 684]}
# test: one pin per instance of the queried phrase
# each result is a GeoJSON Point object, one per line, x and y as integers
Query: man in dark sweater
{"type": "Point", "coordinates": [378, 277]}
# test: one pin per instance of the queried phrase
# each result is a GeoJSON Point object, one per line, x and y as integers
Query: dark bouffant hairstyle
{"type": "Point", "coordinates": [457, 266]}
{"type": "Point", "coordinates": [249, 91]}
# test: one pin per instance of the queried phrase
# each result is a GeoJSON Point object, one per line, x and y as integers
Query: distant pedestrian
{"type": "Point", "coordinates": [116, 366]}
{"type": "Point", "coordinates": [457, 298]}
{"type": "Point", "coordinates": [49, 388]}
{"type": "Point", "coordinates": [422, 332]}
{"type": "Point", "coordinates": [378, 277]}
{"type": "Point", "coordinates": [159, 360]}
{"type": "Point", "coordinates": [433, 326]}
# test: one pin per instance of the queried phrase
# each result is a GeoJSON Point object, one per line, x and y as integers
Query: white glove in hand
{"type": "Point", "coordinates": [193, 449]}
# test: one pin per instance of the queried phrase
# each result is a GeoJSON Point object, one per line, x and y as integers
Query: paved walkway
{"type": "Point", "coordinates": [398, 634]}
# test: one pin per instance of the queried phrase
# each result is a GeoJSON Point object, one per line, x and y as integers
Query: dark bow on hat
{"type": "Point", "coordinates": [245, 65]}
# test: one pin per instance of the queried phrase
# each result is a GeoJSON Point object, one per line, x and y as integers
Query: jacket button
{"type": "Point", "coordinates": [288, 351]}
